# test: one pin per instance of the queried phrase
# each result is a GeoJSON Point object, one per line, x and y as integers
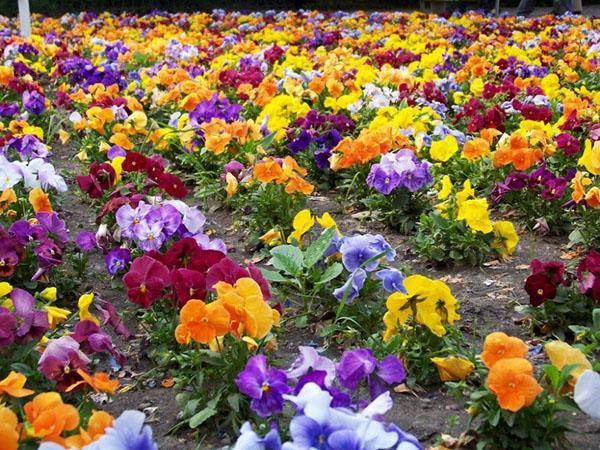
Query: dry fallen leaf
{"type": "Point", "coordinates": [522, 267]}
{"type": "Point", "coordinates": [449, 279]}
{"type": "Point", "coordinates": [569, 255]}
{"type": "Point", "coordinates": [168, 383]}
{"type": "Point", "coordinates": [492, 263]}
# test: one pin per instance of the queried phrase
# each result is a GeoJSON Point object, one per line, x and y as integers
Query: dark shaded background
{"type": "Point", "coordinates": [59, 7]}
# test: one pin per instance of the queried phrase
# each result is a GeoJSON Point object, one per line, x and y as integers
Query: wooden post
{"type": "Point", "coordinates": [25, 18]}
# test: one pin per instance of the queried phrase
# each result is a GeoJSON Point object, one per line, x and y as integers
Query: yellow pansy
{"type": "Point", "coordinates": [562, 354]}
{"type": "Point", "coordinates": [56, 315]}
{"type": "Point", "coordinates": [505, 237]}
{"type": "Point", "coordinates": [49, 294]}
{"type": "Point", "coordinates": [475, 213]}
{"type": "Point", "coordinates": [428, 302]}
{"type": "Point", "coordinates": [446, 189]}
{"type": "Point", "coordinates": [443, 150]}
{"type": "Point", "coordinates": [5, 289]}
{"type": "Point", "coordinates": [476, 87]}
{"type": "Point", "coordinates": [232, 184]}
{"type": "Point", "coordinates": [326, 221]}
{"type": "Point", "coordinates": [117, 165]}
{"type": "Point", "coordinates": [64, 136]}
{"type": "Point", "coordinates": [303, 222]}
{"type": "Point", "coordinates": [84, 303]}
{"type": "Point", "coordinates": [272, 237]}
{"type": "Point", "coordinates": [138, 120]}
{"type": "Point", "coordinates": [466, 193]}
{"type": "Point", "coordinates": [591, 157]}
{"type": "Point", "coordinates": [453, 368]}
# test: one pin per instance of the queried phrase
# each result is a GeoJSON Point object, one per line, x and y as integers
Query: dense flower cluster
{"type": "Point", "coordinates": [456, 130]}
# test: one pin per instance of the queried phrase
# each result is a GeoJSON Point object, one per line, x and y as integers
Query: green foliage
{"type": "Point", "coordinates": [538, 426]}
{"type": "Point", "coordinates": [442, 240]}
{"type": "Point", "coordinates": [416, 345]}
{"type": "Point", "coordinates": [556, 315]}
{"type": "Point", "coordinates": [400, 209]}
{"type": "Point", "coordinates": [588, 337]}
{"type": "Point", "coordinates": [304, 273]}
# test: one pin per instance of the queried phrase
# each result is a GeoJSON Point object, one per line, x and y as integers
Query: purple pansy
{"type": "Point", "coordinates": [264, 385]}
{"type": "Point", "coordinates": [117, 260]}
{"type": "Point", "coordinates": [352, 286]}
{"type": "Point", "coordinates": [393, 280]}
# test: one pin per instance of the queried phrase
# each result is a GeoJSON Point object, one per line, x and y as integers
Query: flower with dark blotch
{"type": "Point", "coordinates": [9, 257]}
{"type": "Point", "coordinates": [54, 226]}
{"type": "Point", "coordinates": [25, 232]}
{"type": "Point", "coordinates": [34, 102]}
{"type": "Point", "coordinates": [92, 339]}
{"type": "Point", "coordinates": [100, 178]}
{"type": "Point", "coordinates": [117, 260]}
{"type": "Point", "coordinates": [264, 385]}
{"type": "Point", "coordinates": [383, 180]}
{"type": "Point", "coordinates": [540, 288]}
{"type": "Point", "coordinates": [8, 327]}
{"type": "Point", "coordinates": [60, 361]}
{"type": "Point", "coordinates": [48, 253]}
{"type": "Point", "coordinates": [188, 284]}
{"type": "Point", "coordinates": [146, 280]}
{"type": "Point", "coordinates": [32, 323]}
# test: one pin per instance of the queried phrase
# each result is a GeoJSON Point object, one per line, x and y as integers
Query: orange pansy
{"type": "Point", "coordinates": [13, 385]}
{"type": "Point", "coordinates": [513, 383]}
{"type": "Point", "coordinates": [202, 322]}
{"type": "Point", "coordinates": [9, 429]}
{"type": "Point", "coordinates": [250, 314]}
{"type": "Point", "coordinates": [476, 148]}
{"type": "Point", "coordinates": [267, 171]}
{"type": "Point", "coordinates": [49, 416]}
{"type": "Point", "coordinates": [99, 382]}
{"type": "Point", "coordinates": [97, 425]}
{"type": "Point", "coordinates": [39, 200]}
{"type": "Point", "coordinates": [7, 198]}
{"type": "Point", "coordinates": [499, 346]}
{"type": "Point", "coordinates": [297, 184]}
{"type": "Point", "coordinates": [592, 198]}
{"type": "Point", "coordinates": [121, 140]}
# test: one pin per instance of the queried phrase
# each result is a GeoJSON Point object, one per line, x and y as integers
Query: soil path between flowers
{"type": "Point", "coordinates": [488, 298]}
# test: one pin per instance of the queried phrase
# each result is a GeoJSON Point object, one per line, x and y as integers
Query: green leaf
{"type": "Point", "coordinates": [301, 321]}
{"type": "Point", "coordinates": [553, 375]}
{"type": "Point", "coordinates": [233, 400]}
{"type": "Point", "coordinates": [288, 259]}
{"type": "Point", "coordinates": [496, 418]}
{"type": "Point", "coordinates": [267, 140]}
{"type": "Point", "coordinates": [315, 251]}
{"type": "Point", "coordinates": [331, 273]}
{"type": "Point", "coordinates": [273, 276]}
{"type": "Point", "coordinates": [210, 410]}
{"type": "Point", "coordinates": [596, 319]}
